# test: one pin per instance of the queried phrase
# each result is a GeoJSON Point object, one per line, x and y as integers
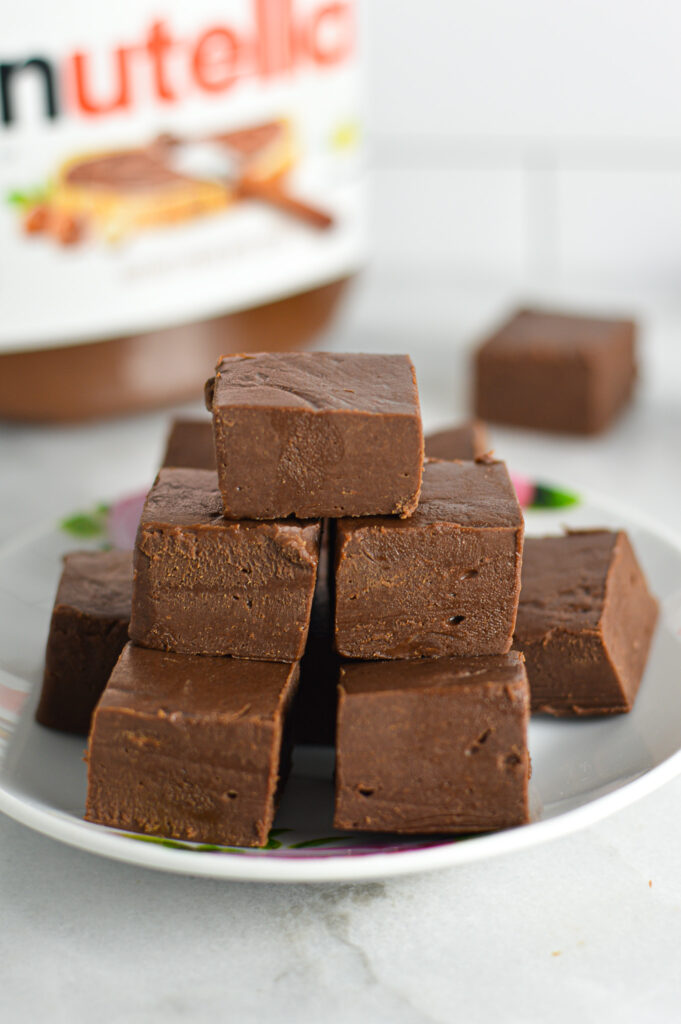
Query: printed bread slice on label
{"type": "Point", "coordinates": [119, 192]}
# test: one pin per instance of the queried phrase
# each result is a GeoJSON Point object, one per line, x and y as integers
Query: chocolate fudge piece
{"type": "Point", "coordinates": [190, 445]}
{"type": "Point", "coordinates": [316, 434]}
{"type": "Point", "coordinates": [445, 581]}
{"type": "Point", "coordinates": [467, 441]}
{"type": "Point", "coordinates": [556, 372]}
{"type": "Point", "coordinates": [315, 711]}
{"type": "Point", "coordinates": [88, 631]}
{"type": "Point", "coordinates": [206, 585]}
{"type": "Point", "coordinates": [433, 746]}
{"type": "Point", "coordinates": [585, 622]}
{"type": "Point", "coordinates": [191, 748]}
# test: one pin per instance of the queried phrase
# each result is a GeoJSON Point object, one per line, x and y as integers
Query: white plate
{"type": "Point", "coordinates": [582, 770]}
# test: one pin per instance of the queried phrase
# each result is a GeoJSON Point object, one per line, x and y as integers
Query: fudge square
{"type": "Point", "coordinates": [556, 372]}
{"type": "Point", "coordinates": [191, 748]}
{"type": "Point", "coordinates": [445, 581]}
{"type": "Point", "coordinates": [585, 622]}
{"type": "Point", "coordinates": [206, 585]}
{"type": "Point", "coordinates": [88, 630]}
{"type": "Point", "coordinates": [313, 434]}
{"type": "Point", "coordinates": [433, 746]}
{"type": "Point", "coordinates": [466, 441]}
{"type": "Point", "coordinates": [190, 445]}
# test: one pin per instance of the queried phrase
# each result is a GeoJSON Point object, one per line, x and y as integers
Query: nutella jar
{"type": "Point", "coordinates": [176, 181]}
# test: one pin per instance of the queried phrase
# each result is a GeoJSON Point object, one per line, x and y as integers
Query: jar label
{"type": "Point", "coordinates": [165, 162]}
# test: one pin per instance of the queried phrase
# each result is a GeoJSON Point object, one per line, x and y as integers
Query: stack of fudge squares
{"type": "Point", "coordinates": [304, 572]}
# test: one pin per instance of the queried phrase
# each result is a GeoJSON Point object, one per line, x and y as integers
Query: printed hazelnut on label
{"type": "Point", "coordinates": [65, 228]}
{"type": "Point", "coordinates": [37, 219]}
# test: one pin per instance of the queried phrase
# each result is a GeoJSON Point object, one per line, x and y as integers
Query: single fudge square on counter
{"type": "Point", "coordinates": [190, 445]}
{"type": "Point", "coordinates": [466, 441]}
{"type": "Point", "coordinates": [313, 434]}
{"type": "Point", "coordinates": [433, 746]}
{"type": "Point", "coordinates": [556, 372]}
{"type": "Point", "coordinates": [88, 630]}
{"type": "Point", "coordinates": [445, 581]}
{"type": "Point", "coordinates": [585, 622]}
{"type": "Point", "coordinates": [206, 585]}
{"type": "Point", "coordinates": [191, 748]}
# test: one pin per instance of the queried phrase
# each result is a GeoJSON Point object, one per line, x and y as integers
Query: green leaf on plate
{"type": "Point", "coordinates": [551, 497]}
{"type": "Point", "coordinates": [212, 848]}
{"type": "Point", "coordinates": [174, 844]}
{"type": "Point", "coordinates": [316, 842]}
{"type": "Point", "coordinates": [86, 524]}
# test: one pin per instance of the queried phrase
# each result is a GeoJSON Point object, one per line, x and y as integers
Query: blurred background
{"type": "Point", "coordinates": [528, 145]}
{"type": "Point", "coordinates": [525, 153]}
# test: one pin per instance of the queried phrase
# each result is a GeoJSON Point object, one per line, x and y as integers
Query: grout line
{"type": "Point", "coordinates": [541, 218]}
{"type": "Point", "coordinates": [631, 155]}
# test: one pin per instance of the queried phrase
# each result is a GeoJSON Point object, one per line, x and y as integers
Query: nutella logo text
{"type": "Point", "coordinates": [167, 69]}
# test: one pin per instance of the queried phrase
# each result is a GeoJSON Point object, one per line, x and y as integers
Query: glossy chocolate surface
{"type": "Point", "coordinates": [466, 441]}
{"type": "Point", "coordinates": [433, 746]}
{"type": "Point", "coordinates": [191, 748]}
{"type": "Point", "coordinates": [556, 372]}
{"type": "Point", "coordinates": [88, 630]}
{"type": "Point", "coordinates": [445, 581]}
{"type": "Point", "coordinates": [316, 434]}
{"type": "Point", "coordinates": [585, 622]}
{"type": "Point", "coordinates": [190, 445]}
{"type": "Point", "coordinates": [207, 585]}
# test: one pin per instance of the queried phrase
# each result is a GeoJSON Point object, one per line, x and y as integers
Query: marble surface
{"type": "Point", "coordinates": [579, 929]}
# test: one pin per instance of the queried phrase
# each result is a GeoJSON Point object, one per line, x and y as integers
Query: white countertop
{"type": "Point", "coordinates": [582, 928]}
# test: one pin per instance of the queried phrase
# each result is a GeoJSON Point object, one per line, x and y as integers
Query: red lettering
{"type": "Point", "coordinates": [274, 36]}
{"type": "Point", "coordinates": [159, 44]}
{"type": "Point", "coordinates": [121, 95]}
{"type": "Point", "coordinates": [215, 59]}
{"type": "Point", "coordinates": [329, 35]}
{"type": "Point", "coordinates": [280, 39]}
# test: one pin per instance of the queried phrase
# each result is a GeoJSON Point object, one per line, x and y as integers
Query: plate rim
{"type": "Point", "coordinates": [310, 869]}
{"type": "Point", "coordinates": [253, 867]}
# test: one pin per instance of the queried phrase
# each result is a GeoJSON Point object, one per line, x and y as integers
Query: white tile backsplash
{"type": "Point", "coordinates": [530, 142]}
{"type": "Point", "coordinates": [587, 69]}
{"type": "Point", "coordinates": [461, 220]}
{"type": "Point", "coordinates": [620, 224]}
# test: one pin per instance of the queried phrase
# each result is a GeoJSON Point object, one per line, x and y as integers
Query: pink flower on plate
{"type": "Point", "coordinates": [123, 520]}
{"type": "Point", "coordinates": [524, 488]}
{"type": "Point", "coordinates": [11, 700]}
{"type": "Point", "coordinates": [535, 495]}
